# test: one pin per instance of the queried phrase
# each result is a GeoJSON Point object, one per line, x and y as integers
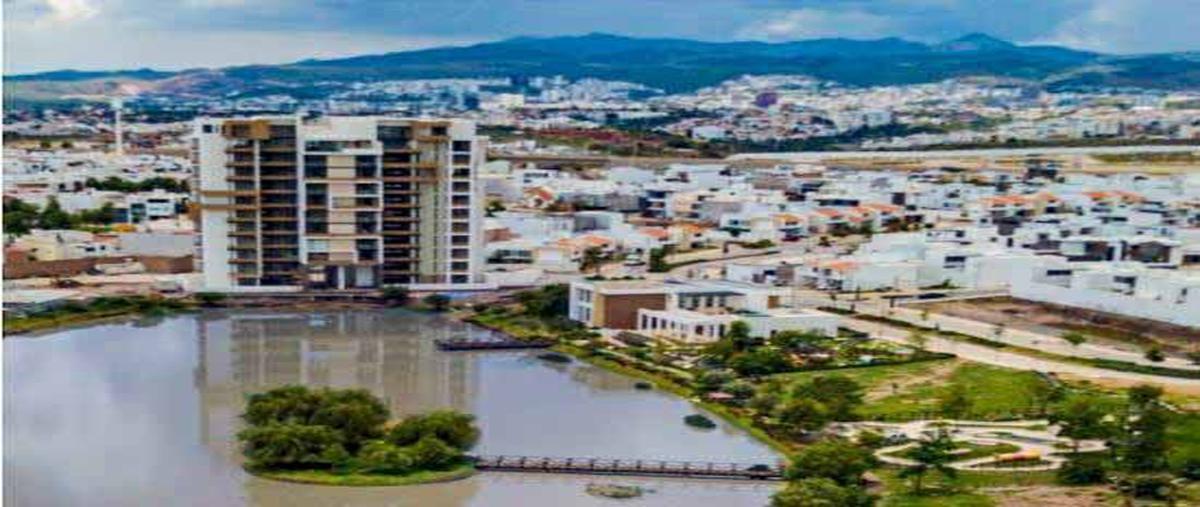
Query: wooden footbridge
{"type": "Point", "coordinates": [654, 468]}
{"type": "Point", "coordinates": [502, 344]}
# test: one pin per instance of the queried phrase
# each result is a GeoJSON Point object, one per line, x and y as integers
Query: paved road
{"type": "Point", "coordinates": [1000, 357]}
{"type": "Point", "coordinates": [815, 156]}
{"type": "Point", "coordinates": [1017, 337]}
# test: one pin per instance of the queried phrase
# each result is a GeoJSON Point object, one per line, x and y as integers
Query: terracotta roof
{"type": "Point", "coordinates": [890, 208]}
{"type": "Point", "coordinates": [841, 266]}
{"type": "Point", "coordinates": [655, 232]}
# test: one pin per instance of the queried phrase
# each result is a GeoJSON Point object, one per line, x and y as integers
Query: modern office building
{"type": "Point", "coordinates": [338, 203]}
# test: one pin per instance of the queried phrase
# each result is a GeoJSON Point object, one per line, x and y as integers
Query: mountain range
{"type": "Point", "coordinates": [673, 65]}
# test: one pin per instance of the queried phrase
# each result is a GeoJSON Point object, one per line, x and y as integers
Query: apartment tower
{"type": "Point", "coordinates": [338, 203]}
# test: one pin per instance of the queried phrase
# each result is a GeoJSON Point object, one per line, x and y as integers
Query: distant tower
{"type": "Point", "coordinates": [118, 136]}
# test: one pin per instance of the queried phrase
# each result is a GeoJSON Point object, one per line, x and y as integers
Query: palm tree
{"type": "Point", "coordinates": [931, 454]}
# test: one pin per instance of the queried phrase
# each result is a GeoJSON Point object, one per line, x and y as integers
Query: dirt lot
{"type": "Point", "coordinates": [1050, 496]}
{"type": "Point", "coordinates": [1123, 332]}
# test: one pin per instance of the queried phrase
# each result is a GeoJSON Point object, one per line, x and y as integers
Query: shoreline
{"type": "Point", "coordinates": [665, 384]}
{"type": "Point", "coordinates": [659, 381]}
{"type": "Point", "coordinates": [361, 480]}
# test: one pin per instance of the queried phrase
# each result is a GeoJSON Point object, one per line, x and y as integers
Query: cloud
{"type": "Point", "coordinates": [70, 11]}
{"type": "Point", "coordinates": [173, 50]}
{"type": "Point", "coordinates": [810, 23]}
{"type": "Point", "coordinates": [1130, 26]}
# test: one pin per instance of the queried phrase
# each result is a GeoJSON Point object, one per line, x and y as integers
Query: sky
{"type": "Point", "coordinates": [42, 35]}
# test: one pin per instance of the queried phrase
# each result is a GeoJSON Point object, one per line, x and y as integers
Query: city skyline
{"type": "Point", "coordinates": [92, 34]}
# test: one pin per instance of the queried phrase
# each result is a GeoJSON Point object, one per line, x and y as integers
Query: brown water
{"type": "Point", "coordinates": [145, 413]}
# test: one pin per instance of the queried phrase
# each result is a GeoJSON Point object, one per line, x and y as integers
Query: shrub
{"type": "Point", "coordinates": [452, 428]}
{"type": "Point", "coordinates": [433, 454]}
{"type": "Point", "coordinates": [1156, 354]}
{"type": "Point", "coordinates": [381, 457]}
{"type": "Point", "coordinates": [438, 302]}
{"type": "Point", "coordinates": [833, 459]}
{"type": "Point", "coordinates": [396, 295]}
{"type": "Point", "coordinates": [210, 298]}
{"type": "Point", "coordinates": [871, 439]}
{"type": "Point", "coordinates": [1190, 469]}
{"type": "Point", "coordinates": [1153, 486]}
{"type": "Point", "coordinates": [699, 421]}
{"type": "Point", "coordinates": [1079, 471]}
{"type": "Point", "coordinates": [290, 445]}
{"type": "Point", "coordinates": [821, 492]}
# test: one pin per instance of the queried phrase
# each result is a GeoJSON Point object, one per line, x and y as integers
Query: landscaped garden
{"type": "Point", "coordinates": [791, 389]}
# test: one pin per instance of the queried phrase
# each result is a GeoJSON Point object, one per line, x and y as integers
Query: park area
{"type": "Point", "coordinates": [860, 418]}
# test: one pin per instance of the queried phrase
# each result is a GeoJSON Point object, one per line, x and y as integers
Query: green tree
{"type": "Point", "coordinates": [1074, 338]}
{"type": "Point", "coordinates": [820, 492]}
{"type": "Point", "coordinates": [593, 257]}
{"type": "Point", "coordinates": [291, 445]}
{"type": "Point", "coordinates": [841, 395]}
{"type": "Point", "coordinates": [1143, 445]}
{"type": "Point", "coordinates": [740, 389]}
{"type": "Point", "coordinates": [210, 298]}
{"type": "Point", "coordinates": [382, 457]}
{"type": "Point", "coordinates": [932, 454]}
{"type": "Point", "coordinates": [764, 402]}
{"type": "Point", "coordinates": [1042, 394]}
{"type": "Point", "coordinates": [438, 302]}
{"type": "Point", "coordinates": [548, 301]}
{"type": "Point", "coordinates": [354, 413]}
{"type": "Point", "coordinates": [53, 216]}
{"type": "Point", "coordinates": [790, 339]}
{"type": "Point", "coordinates": [712, 380]}
{"type": "Point", "coordinates": [1156, 354]}
{"type": "Point", "coordinates": [834, 459]}
{"type": "Point", "coordinates": [954, 402]}
{"type": "Point", "coordinates": [760, 361]}
{"type": "Point", "coordinates": [287, 404]}
{"type": "Point", "coordinates": [397, 295]}
{"type": "Point", "coordinates": [739, 335]}
{"type": "Point", "coordinates": [1081, 418]}
{"type": "Point", "coordinates": [430, 453]}
{"type": "Point", "coordinates": [19, 217]}
{"type": "Point", "coordinates": [453, 428]}
{"type": "Point", "coordinates": [800, 416]}
{"type": "Point", "coordinates": [658, 261]}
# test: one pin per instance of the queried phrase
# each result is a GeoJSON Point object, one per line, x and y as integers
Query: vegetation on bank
{"type": "Point", "coordinates": [1151, 448]}
{"type": "Point", "coordinates": [343, 437]}
{"type": "Point", "coordinates": [72, 313]}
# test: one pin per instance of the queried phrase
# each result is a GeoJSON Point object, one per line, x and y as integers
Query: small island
{"type": "Point", "coordinates": [345, 438]}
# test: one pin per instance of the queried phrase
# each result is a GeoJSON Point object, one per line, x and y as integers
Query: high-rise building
{"type": "Point", "coordinates": [338, 203]}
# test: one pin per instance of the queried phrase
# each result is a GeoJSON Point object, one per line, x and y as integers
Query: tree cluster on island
{"type": "Point", "coordinates": [348, 431]}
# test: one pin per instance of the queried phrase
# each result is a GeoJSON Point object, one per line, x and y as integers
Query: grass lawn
{"type": "Point", "coordinates": [1184, 435]}
{"type": "Point", "coordinates": [873, 376]}
{"type": "Point", "coordinates": [938, 492]}
{"type": "Point", "coordinates": [910, 391]}
{"type": "Point", "coordinates": [519, 326]}
{"type": "Point", "coordinates": [333, 478]}
{"type": "Point", "coordinates": [969, 451]}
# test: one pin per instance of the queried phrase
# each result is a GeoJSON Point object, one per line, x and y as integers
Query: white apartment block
{"type": "Point", "coordinates": [288, 203]}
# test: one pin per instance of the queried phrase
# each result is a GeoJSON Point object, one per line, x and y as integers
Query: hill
{"type": "Point", "coordinates": [677, 65]}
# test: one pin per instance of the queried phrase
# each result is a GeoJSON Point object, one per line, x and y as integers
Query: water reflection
{"type": "Point", "coordinates": [145, 414]}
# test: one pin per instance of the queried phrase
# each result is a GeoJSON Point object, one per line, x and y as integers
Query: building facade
{"type": "Point", "coordinates": [338, 203]}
